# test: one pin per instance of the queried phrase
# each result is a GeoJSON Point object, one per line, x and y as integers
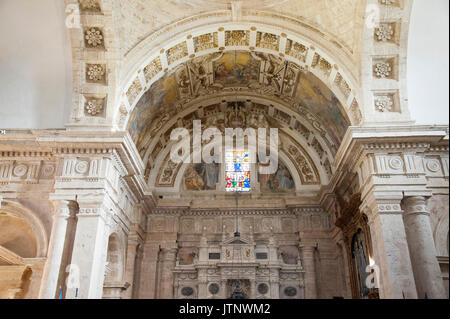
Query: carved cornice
{"type": "Point", "coordinates": [290, 211]}
{"type": "Point", "coordinates": [396, 138]}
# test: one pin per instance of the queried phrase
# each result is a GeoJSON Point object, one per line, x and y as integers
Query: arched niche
{"type": "Point", "coordinates": [21, 231]}
{"type": "Point", "coordinates": [115, 260]}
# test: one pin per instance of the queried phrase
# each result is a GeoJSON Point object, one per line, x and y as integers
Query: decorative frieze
{"type": "Point", "coordinates": [307, 174]}
{"type": "Point", "coordinates": [342, 85]}
{"type": "Point", "coordinates": [82, 167]}
{"type": "Point", "coordinates": [296, 50]}
{"type": "Point", "coordinates": [237, 38]}
{"type": "Point", "coordinates": [322, 65]}
{"type": "Point", "coordinates": [151, 70]}
{"type": "Point", "coordinates": [134, 90]}
{"type": "Point", "coordinates": [27, 172]}
{"type": "Point", "coordinates": [267, 41]}
{"type": "Point", "coordinates": [433, 165]}
{"type": "Point", "coordinates": [177, 52]}
{"type": "Point", "coordinates": [206, 41]}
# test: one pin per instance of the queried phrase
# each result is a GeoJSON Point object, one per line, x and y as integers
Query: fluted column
{"type": "Point", "coordinates": [49, 289]}
{"type": "Point", "coordinates": [427, 273]}
{"type": "Point", "coordinates": [169, 256]}
{"type": "Point", "coordinates": [308, 252]}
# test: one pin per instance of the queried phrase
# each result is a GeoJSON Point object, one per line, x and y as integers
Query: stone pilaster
{"type": "Point", "coordinates": [202, 284]}
{"type": "Point", "coordinates": [390, 248]}
{"type": "Point", "coordinates": [308, 252]}
{"type": "Point", "coordinates": [252, 288]}
{"type": "Point", "coordinates": [223, 289]}
{"type": "Point", "coordinates": [63, 211]}
{"type": "Point", "coordinates": [90, 251]}
{"type": "Point", "coordinates": [169, 256]}
{"type": "Point", "coordinates": [274, 281]}
{"type": "Point", "coordinates": [424, 262]}
{"type": "Point", "coordinates": [149, 267]}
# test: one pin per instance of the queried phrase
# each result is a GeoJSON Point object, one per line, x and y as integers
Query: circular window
{"type": "Point", "coordinates": [263, 289]}
{"type": "Point", "coordinates": [290, 291]}
{"type": "Point", "coordinates": [187, 291]}
{"type": "Point", "coordinates": [214, 289]}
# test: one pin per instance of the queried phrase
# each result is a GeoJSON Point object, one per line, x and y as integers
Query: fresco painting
{"type": "Point", "coordinates": [149, 107]}
{"type": "Point", "coordinates": [318, 98]}
{"type": "Point", "coordinates": [236, 68]}
{"type": "Point", "coordinates": [281, 181]}
{"type": "Point", "coordinates": [202, 176]}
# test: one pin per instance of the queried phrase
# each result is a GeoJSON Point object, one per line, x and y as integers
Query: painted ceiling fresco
{"type": "Point", "coordinates": [218, 72]}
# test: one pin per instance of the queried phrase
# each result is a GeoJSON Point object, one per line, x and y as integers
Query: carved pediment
{"type": "Point", "coordinates": [237, 241]}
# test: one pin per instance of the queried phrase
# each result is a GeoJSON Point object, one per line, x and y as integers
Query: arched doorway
{"type": "Point", "coordinates": [357, 242]}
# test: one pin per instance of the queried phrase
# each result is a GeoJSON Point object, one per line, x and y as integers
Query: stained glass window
{"type": "Point", "coordinates": [237, 172]}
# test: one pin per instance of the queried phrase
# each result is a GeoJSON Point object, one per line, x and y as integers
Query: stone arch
{"type": "Point", "coordinates": [316, 139]}
{"type": "Point", "coordinates": [311, 124]}
{"type": "Point", "coordinates": [320, 175]}
{"type": "Point", "coordinates": [26, 219]}
{"type": "Point", "coordinates": [146, 68]}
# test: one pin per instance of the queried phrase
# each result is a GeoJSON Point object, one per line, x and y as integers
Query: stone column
{"type": "Point", "coordinates": [390, 249]}
{"type": "Point", "coordinates": [427, 272]}
{"type": "Point", "coordinates": [308, 252]}
{"type": "Point", "coordinates": [130, 267]}
{"type": "Point", "coordinates": [52, 269]}
{"type": "Point", "coordinates": [149, 268]}
{"type": "Point", "coordinates": [89, 252]}
{"type": "Point", "coordinates": [169, 256]}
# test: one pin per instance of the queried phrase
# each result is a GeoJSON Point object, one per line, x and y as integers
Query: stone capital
{"type": "Point", "coordinates": [382, 203]}
{"type": "Point", "coordinates": [415, 205]}
{"type": "Point", "coordinates": [64, 208]}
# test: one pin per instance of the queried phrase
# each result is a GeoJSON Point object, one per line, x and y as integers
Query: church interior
{"type": "Point", "coordinates": [94, 206]}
